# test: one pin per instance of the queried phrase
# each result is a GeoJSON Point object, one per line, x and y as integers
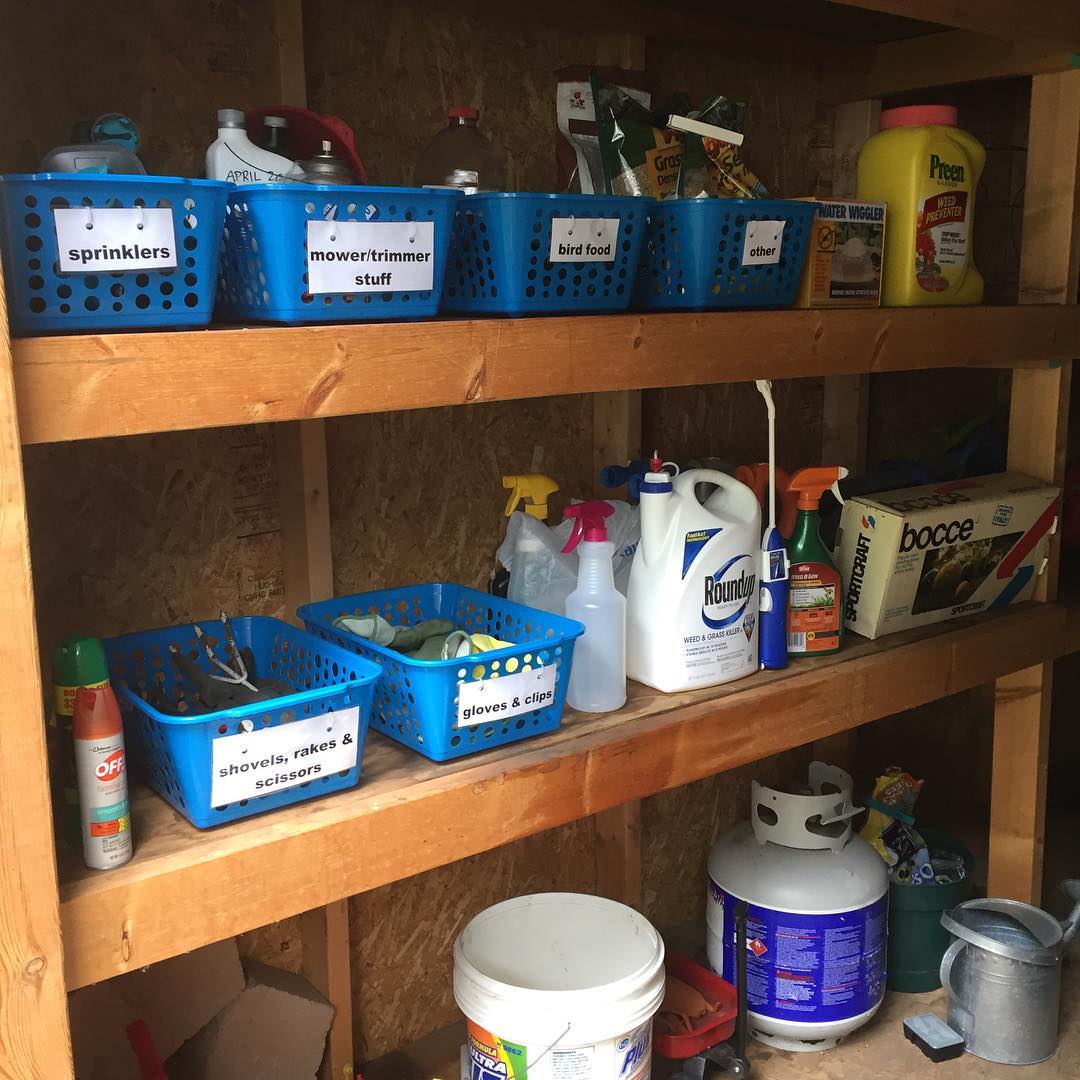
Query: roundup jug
{"type": "Point", "coordinates": [692, 603]}
{"type": "Point", "coordinates": [1002, 977]}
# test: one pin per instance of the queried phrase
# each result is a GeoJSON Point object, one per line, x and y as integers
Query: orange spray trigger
{"type": "Point", "coordinates": [588, 522]}
{"type": "Point", "coordinates": [812, 483]}
{"type": "Point", "coordinates": [756, 478]}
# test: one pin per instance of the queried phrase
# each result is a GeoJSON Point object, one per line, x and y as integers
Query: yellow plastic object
{"type": "Point", "coordinates": [534, 488]}
{"type": "Point", "coordinates": [926, 169]}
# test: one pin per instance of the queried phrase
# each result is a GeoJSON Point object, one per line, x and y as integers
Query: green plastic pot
{"type": "Point", "coordinates": [917, 940]}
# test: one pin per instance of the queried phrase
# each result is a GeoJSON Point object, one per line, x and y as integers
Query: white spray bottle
{"type": "Point", "coordinates": [598, 674]}
{"type": "Point", "coordinates": [693, 598]}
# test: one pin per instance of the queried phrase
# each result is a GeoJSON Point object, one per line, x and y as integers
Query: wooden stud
{"type": "Point", "coordinates": [308, 573]}
{"type": "Point", "coordinates": [34, 1037]}
{"type": "Point", "coordinates": [618, 853]}
{"type": "Point", "coordinates": [324, 932]}
{"type": "Point", "coordinates": [616, 434]}
{"type": "Point", "coordinates": [1050, 256]}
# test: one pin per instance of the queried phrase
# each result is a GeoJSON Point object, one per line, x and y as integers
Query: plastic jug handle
{"type": "Point", "coordinates": [685, 482]}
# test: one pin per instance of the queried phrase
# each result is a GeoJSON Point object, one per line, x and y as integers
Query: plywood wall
{"type": "Point", "coordinates": [168, 66]}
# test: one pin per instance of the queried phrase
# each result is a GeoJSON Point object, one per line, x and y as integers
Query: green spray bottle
{"type": "Point", "coordinates": [815, 621]}
{"type": "Point", "coordinates": [77, 661]}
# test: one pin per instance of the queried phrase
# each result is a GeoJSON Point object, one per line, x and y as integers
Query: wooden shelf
{"type": "Point", "coordinates": [94, 386]}
{"type": "Point", "coordinates": [186, 888]}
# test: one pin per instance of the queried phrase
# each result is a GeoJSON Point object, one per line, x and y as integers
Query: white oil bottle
{"type": "Point", "coordinates": [234, 157]}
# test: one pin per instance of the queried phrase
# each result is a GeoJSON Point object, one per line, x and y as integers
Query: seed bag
{"type": "Point", "coordinates": [712, 168]}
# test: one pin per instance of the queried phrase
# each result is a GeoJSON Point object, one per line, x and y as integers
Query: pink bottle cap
{"type": "Point", "coordinates": [918, 115]}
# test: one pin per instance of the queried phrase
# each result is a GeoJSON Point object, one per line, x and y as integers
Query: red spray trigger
{"type": "Point", "coordinates": [588, 522]}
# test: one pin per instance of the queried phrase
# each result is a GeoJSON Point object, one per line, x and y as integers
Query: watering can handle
{"type": "Point", "coordinates": [959, 1013]}
{"type": "Point", "coordinates": [1071, 888]}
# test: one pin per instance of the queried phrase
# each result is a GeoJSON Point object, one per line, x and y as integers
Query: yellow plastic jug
{"type": "Point", "coordinates": [926, 169]}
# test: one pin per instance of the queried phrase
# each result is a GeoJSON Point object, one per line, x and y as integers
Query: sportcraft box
{"type": "Point", "coordinates": [921, 555]}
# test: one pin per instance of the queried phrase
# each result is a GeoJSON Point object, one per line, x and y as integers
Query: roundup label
{"type": "Point", "coordinates": [725, 643]}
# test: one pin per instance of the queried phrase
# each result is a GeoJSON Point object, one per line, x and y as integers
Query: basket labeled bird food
{"type": "Point", "coordinates": [701, 254]}
{"type": "Point", "coordinates": [520, 254]}
{"type": "Point", "coordinates": [463, 670]}
{"type": "Point", "coordinates": [299, 253]}
{"type": "Point", "coordinates": [89, 251]}
{"type": "Point", "coordinates": [233, 717]}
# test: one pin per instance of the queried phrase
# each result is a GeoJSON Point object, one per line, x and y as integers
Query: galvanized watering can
{"type": "Point", "coordinates": [1002, 976]}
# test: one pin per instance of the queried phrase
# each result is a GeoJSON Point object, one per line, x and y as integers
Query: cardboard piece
{"type": "Point", "coordinates": [176, 997]}
{"type": "Point", "coordinates": [845, 256]}
{"type": "Point", "coordinates": [275, 1030]}
{"type": "Point", "coordinates": [925, 554]}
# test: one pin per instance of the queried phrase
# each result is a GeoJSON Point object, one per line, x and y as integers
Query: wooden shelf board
{"type": "Point", "coordinates": [186, 888]}
{"type": "Point", "coordinates": [94, 386]}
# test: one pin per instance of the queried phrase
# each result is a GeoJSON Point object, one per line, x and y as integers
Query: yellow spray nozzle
{"type": "Point", "coordinates": [534, 488]}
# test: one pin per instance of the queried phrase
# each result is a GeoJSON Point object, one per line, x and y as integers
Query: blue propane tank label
{"type": "Point", "coordinates": [808, 968]}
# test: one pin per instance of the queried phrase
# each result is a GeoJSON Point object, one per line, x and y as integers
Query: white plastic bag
{"type": "Point", "coordinates": [544, 577]}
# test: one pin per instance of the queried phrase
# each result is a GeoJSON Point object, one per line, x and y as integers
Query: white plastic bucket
{"type": "Point", "coordinates": [562, 985]}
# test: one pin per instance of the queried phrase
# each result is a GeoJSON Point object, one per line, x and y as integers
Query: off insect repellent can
{"type": "Point", "coordinates": [101, 767]}
{"type": "Point", "coordinates": [926, 170]}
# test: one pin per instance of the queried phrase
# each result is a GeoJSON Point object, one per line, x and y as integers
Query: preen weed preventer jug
{"type": "Point", "coordinates": [818, 896]}
{"type": "Point", "coordinates": [692, 603]}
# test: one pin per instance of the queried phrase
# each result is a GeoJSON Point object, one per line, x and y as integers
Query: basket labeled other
{"type": "Point", "coordinates": [226, 719]}
{"type": "Point", "coordinates": [464, 671]}
{"type": "Point", "coordinates": [702, 254]}
{"type": "Point", "coordinates": [521, 254]}
{"type": "Point", "coordinates": [87, 251]}
{"type": "Point", "coordinates": [298, 253]}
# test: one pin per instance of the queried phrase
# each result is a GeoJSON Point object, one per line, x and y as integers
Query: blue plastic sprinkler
{"type": "Point", "coordinates": [773, 602]}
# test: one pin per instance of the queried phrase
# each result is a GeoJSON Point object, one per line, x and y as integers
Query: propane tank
{"type": "Point", "coordinates": [818, 896]}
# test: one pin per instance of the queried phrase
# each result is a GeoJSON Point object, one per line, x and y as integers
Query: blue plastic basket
{"type": "Point", "coordinates": [40, 299]}
{"type": "Point", "coordinates": [693, 251]}
{"type": "Point", "coordinates": [499, 255]}
{"type": "Point", "coordinates": [417, 700]}
{"type": "Point", "coordinates": [176, 751]}
{"type": "Point", "coordinates": [264, 264]}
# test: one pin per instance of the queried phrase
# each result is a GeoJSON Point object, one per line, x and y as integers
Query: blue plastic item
{"type": "Point", "coordinates": [615, 476]}
{"type": "Point", "coordinates": [692, 258]}
{"type": "Point", "coordinates": [176, 751]}
{"type": "Point", "coordinates": [773, 602]}
{"type": "Point", "coordinates": [40, 299]}
{"type": "Point", "coordinates": [264, 266]}
{"type": "Point", "coordinates": [416, 702]}
{"type": "Point", "coordinates": [499, 255]}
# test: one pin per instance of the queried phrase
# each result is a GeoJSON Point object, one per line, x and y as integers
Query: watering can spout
{"type": "Point", "coordinates": [1071, 888]}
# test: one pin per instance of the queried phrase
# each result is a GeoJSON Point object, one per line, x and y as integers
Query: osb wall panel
{"type": "Point", "coordinates": [129, 534]}
{"type": "Point", "coordinates": [680, 827]}
{"type": "Point", "coordinates": [418, 496]}
{"type": "Point", "coordinates": [728, 422]}
{"type": "Point", "coordinates": [168, 66]}
{"type": "Point", "coordinates": [403, 935]}
{"type": "Point", "coordinates": [444, 57]}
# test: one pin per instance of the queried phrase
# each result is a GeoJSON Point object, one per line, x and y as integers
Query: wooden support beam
{"type": "Point", "coordinates": [618, 853]}
{"type": "Point", "coordinates": [1049, 261]}
{"type": "Point", "coordinates": [958, 56]}
{"type": "Point", "coordinates": [308, 569]}
{"type": "Point", "coordinates": [1057, 20]}
{"type": "Point", "coordinates": [846, 401]}
{"type": "Point", "coordinates": [325, 936]}
{"type": "Point", "coordinates": [34, 1039]}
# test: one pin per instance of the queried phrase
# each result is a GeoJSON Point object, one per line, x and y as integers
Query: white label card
{"type": "Point", "coordinates": [90, 240]}
{"type": "Point", "coordinates": [271, 759]}
{"type": "Point", "coordinates": [584, 239]}
{"type": "Point", "coordinates": [763, 242]}
{"type": "Point", "coordinates": [370, 256]}
{"type": "Point", "coordinates": [491, 701]}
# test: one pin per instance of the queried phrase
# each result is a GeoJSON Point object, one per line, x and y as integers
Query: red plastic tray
{"type": "Point", "coordinates": [714, 1029]}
